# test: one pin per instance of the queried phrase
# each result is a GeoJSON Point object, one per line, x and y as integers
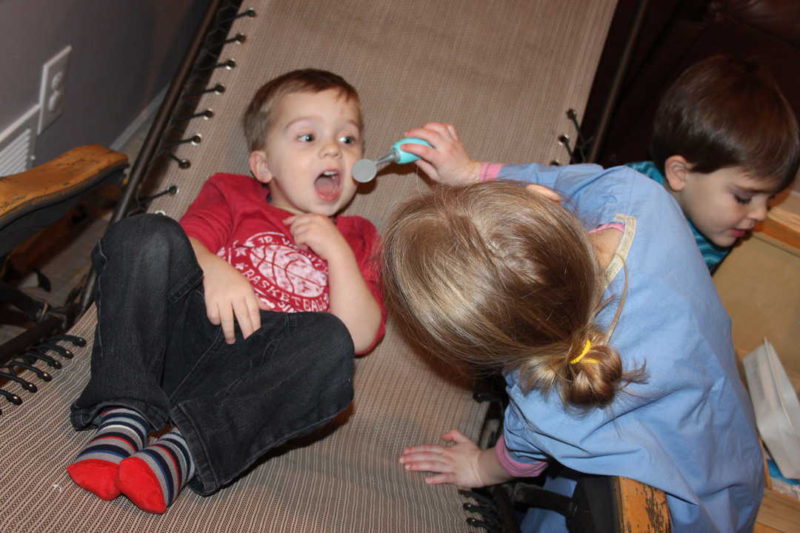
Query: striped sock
{"type": "Point", "coordinates": [121, 432]}
{"type": "Point", "coordinates": [153, 477]}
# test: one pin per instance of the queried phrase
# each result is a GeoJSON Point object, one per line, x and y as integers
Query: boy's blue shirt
{"type": "Point", "coordinates": [712, 254]}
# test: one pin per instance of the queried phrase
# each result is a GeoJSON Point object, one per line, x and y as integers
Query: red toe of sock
{"type": "Point", "coordinates": [98, 477]}
{"type": "Point", "coordinates": [136, 481]}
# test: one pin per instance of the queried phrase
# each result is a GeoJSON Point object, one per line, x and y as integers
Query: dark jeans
{"type": "Point", "coordinates": [155, 351]}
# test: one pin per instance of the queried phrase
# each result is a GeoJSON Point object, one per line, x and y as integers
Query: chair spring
{"type": "Point", "coordinates": [28, 359]}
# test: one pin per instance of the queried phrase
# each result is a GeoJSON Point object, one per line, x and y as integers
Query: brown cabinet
{"type": "Point", "coordinates": [759, 284]}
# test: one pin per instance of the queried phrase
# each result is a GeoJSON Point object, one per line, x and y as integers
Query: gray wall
{"type": "Point", "coordinates": [123, 53]}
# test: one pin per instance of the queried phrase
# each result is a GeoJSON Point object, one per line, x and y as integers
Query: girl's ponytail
{"type": "Point", "coordinates": [593, 376]}
{"type": "Point", "coordinates": [586, 372]}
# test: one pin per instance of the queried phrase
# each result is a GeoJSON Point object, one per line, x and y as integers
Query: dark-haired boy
{"type": "Point", "coordinates": [185, 336]}
{"type": "Point", "coordinates": [725, 141]}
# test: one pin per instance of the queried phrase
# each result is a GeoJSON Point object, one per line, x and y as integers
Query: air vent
{"type": "Point", "coordinates": [17, 143]}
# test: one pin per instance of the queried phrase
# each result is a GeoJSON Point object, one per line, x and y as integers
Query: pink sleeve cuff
{"type": "Point", "coordinates": [515, 468]}
{"type": "Point", "coordinates": [489, 171]}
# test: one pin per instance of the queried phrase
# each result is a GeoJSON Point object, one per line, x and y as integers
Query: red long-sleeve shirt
{"type": "Point", "coordinates": [233, 218]}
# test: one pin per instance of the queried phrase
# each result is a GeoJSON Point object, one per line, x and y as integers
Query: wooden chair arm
{"type": "Point", "coordinates": [641, 508]}
{"type": "Point", "coordinates": [66, 175]}
{"type": "Point", "coordinates": [783, 224]}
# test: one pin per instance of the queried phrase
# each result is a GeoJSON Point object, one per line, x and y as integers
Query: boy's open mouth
{"type": "Point", "coordinates": [328, 184]}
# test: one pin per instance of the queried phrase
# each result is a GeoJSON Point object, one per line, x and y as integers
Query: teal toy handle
{"type": "Point", "coordinates": [364, 170]}
{"type": "Point", "coordinates": [402, 157]}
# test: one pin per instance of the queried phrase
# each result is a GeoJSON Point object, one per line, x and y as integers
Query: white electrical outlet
{"type": "Point", "coordinates": [51, 93]}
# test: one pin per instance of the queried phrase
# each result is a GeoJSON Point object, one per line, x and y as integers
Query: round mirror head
{"type": "Point", "coordinates": [364, 170]}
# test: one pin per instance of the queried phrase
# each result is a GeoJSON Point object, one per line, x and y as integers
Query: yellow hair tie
{"type": "Point", "coordinates": [586, 348]}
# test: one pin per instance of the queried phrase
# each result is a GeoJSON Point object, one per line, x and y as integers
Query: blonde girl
{"type": "Point", "coordinates": [603, 319]}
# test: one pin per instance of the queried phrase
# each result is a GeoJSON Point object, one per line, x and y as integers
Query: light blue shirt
{"type": "Point", "coordinates": [712, 254]}
{"type": "Point", "coordinates": [689, 429]}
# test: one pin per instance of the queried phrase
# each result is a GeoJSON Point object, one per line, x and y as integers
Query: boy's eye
{"type": "Point", "coordinates": [306, 138]}
{"type": "Point", "coordinates": [348, 139]}
{"type": "Point", "coordinates": [742, 199]}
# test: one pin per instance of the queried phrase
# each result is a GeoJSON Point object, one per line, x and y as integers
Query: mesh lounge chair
{"type": "Point", "coordinates": [506, 72]}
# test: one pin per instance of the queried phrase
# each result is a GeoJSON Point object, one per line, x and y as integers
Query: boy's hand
{"type": "Point", "coordinates": [350, 298]}
{"type": "Point", "coordinates": [318, 233]}
{"type": "Point", "coordinates": [447, 162]}
{"type": "Point", "coordinates": [458, 464]}
{"type": "Point", "coordinates": [229, 296]}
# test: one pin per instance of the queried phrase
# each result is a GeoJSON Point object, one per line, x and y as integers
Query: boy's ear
{"type": "Point", "coordinates": [259, 166]}
{"type": "Point", "coordinates": [676, 171]}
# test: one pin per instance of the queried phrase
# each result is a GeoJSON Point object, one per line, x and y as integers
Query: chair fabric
{"type": "Point", "coordinates": [505, 72]}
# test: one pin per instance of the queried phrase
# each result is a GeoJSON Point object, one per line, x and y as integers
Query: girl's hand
{"type": "Point", "coordinates": [447, 162]}
{"type": "Point", "coordinates": [547, 192]}
{"type": "Point", "coordinates": [318, 233]}
{"type": "Point", "coordinates": [458, 464]}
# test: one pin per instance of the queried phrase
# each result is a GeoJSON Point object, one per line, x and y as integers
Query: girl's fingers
{"type": "Point", "coordinates": [425, 153]}
{"type": "Point", "coordinates": [452, 130]}
{"type": "Point", "coordinates": [440, 479]}
{"type": "Point", "coordinates": [423, 448]}
{"type": "Point", "coordinates": [426, 167]}
{"type": "Point", "coordinates": [547, 192]}
{"type": "Point", "coordinates": [421, 132]}
{"type": "Point", "coordinates": [429, 466]}
{"type": "Point", "coordinates": [455, 436]}
{"type": "Point", "coordinates": [414, 457]}
{"type": "Point", "coordinates": [441, 128]}
{"type": "Point", "coordinates": [433, 132]}
{"type": "Point", "coordinates": [417, 149]}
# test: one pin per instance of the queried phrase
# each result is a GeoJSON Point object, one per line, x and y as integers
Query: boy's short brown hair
{"type": "Point", "coordinates": [256, 120]}
{"type": "Point", "coordinates": [725, 112]}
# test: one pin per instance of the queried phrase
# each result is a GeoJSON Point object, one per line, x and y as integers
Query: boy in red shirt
{"type": "Point", "coordinates": [238, 327]}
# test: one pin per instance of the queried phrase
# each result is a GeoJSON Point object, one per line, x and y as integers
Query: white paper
{"type": "Point", "coordinates": [776, 407]}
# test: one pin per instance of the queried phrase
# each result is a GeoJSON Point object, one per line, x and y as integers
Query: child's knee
{"type": "Point", "coordinates": [142, 234]}
{"type": "Point", "coordinates": [338, 336]}
{"type": "Point", "coordinates": [329, 343]}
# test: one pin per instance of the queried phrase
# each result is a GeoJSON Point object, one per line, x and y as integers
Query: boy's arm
{"type": "Point", "coordinates": [208, 222]}
{"type": "Point", "coordinates": [352, 301]}
{"type": "Point", "coordinates": [350, 297]}
{"type": "Point", "coordinates": [229, 297]}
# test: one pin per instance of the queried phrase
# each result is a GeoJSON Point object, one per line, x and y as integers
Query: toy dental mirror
{"type": "Point", "coordinates": [364, 170]}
